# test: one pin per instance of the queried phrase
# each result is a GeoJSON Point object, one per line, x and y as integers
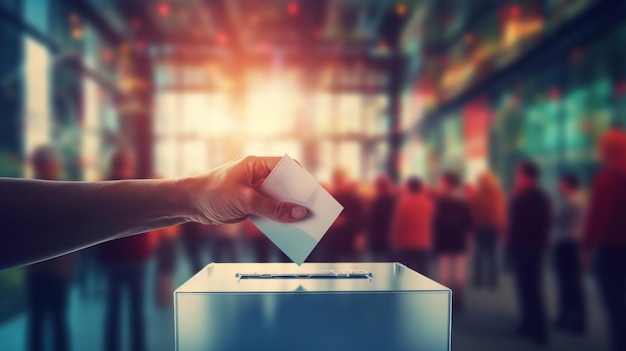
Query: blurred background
{"type": "Point", "coordinates": [366, 94]}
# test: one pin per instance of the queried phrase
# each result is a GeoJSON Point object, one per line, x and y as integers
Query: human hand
{"type": "Point", "coordinates": [229, 194]}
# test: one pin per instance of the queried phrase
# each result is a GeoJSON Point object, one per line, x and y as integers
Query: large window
{"type": "Point", "coordinates": [197, 129]}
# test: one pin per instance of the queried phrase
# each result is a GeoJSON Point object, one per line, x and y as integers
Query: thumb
{"type": "Point", "coordinates": [276, 210]}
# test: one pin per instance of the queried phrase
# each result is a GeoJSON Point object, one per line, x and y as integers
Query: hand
{"type": "Point", "coordinates": [229, 194]}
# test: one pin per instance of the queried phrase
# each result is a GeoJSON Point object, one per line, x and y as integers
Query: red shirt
{"type": "Point", "coordinates": [411, 225]}
{"type": "Point", "coordinates": [606, 224]}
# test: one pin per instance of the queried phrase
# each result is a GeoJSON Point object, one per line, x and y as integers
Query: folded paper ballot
{"type": "Point", "coordinates": [289, 182]}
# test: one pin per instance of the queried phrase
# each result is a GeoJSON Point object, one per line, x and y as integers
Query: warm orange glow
{"type": "Point", "coordinates": [455, 77]}
{"type": "Point", "coordinates": [77, 32]}
{"type": "Point", "coordinates": [401, 9]}
{"type": "Point", "coordinates": [518, 30]}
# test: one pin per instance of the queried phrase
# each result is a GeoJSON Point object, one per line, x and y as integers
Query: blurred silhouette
{"type": "Point", "coordinates": [166, 255]}
{"type": "Point", "coordinates": [452, 224]}
{"type": "Point", "coordinates": [48, 282]}
{"type": "Point", "coordinates": [567, 232]}
{"type": "Point", "coordinates": [339, 243]}
{"type": "Point", "coordinates": [379, 219]}
{"type": "Point", "coordinates": [194, 240]}
{"type": "Point", "coordinates": [489, 211]}
{"type": "Point", "coordinates": [606, 233]}
{"type": "Point", "coordinates": [124, 263]}
{"type": "Point", "coordinates": [529, 224]}
{"type": "Point", "coordinates": [411, 227]}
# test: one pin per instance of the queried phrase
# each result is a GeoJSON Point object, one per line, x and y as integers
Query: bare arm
{"type": "Point", "coordinates": [44, 219]}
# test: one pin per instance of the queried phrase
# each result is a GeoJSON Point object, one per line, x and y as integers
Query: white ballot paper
{"type": "Point", "coordinates": [289, 182]}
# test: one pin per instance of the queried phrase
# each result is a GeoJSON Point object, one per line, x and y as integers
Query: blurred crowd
{"type": "Point", "coordinates": [450, 231]}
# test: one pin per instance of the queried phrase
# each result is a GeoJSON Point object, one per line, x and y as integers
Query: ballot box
{"type": "Point", "coordinates": [316, 306]}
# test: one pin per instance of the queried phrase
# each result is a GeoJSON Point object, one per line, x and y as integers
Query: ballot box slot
{"type": "Point", "coordinates": [357, 274]}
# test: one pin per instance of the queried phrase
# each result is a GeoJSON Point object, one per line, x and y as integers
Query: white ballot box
{"type": "Point", "coordinates": [316, 306]}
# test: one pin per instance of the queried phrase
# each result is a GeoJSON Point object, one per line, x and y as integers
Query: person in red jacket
{"type": "Point", "coordinates": [606, 232]}
{"type": "Point", "coordinates": [124, 262]}
{"type": "Point", "coordinates": [411, 239]}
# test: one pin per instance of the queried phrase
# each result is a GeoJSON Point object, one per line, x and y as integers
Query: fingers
{"type": "Point", "coordinates": [262, 166]}
{"type": "Point", "coordinates": [276, 210]}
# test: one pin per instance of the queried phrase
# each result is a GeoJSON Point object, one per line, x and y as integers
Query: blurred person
{"type": "Point", "coordinates": [55, 218]}
{"type": "Point", "coordinates": [567, 229]}
{"type": "Point", "coordinates": [489, 211]}
{"type": "Point", "coordinates": [340, 243]}
{"type": "Point", "coordinates": [195, 243]}
{"type": "Point", "coordinates": [124, 262]}
{"type": "Point", "coordinates": [527, 239]}
{"type": "Point", "coordinates": [379, 219]}
{"type": "Point", "coordinates": [411, 227]}
{"type": "Point", "coordinates": [605, 232]}
{"type": "Point", "coordinates": [166, 257]}
{"type": "Point", "coordinates": [48, 282]}
{"type": "Point", "coordinates": [452, 224]}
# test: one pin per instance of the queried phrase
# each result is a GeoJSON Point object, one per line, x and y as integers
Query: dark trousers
{"type": "Point", "coordinates": [572, 312]}
{"type": "Point", "coordinates": [415, 259]}
{"type": "Point", "coordinates": [128, 277]}
{"type": "Point", "coordinates": [47, 296]}
{"type": "Point", "coordinates": [527, 267]}
{"type": "Point", "coordinates": [610, 269]}
{"type": "Point", "coordinates": [485, 261]}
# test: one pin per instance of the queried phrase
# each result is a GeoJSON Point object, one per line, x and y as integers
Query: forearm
{"type": "Point", "coordinates": [42, 219]}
